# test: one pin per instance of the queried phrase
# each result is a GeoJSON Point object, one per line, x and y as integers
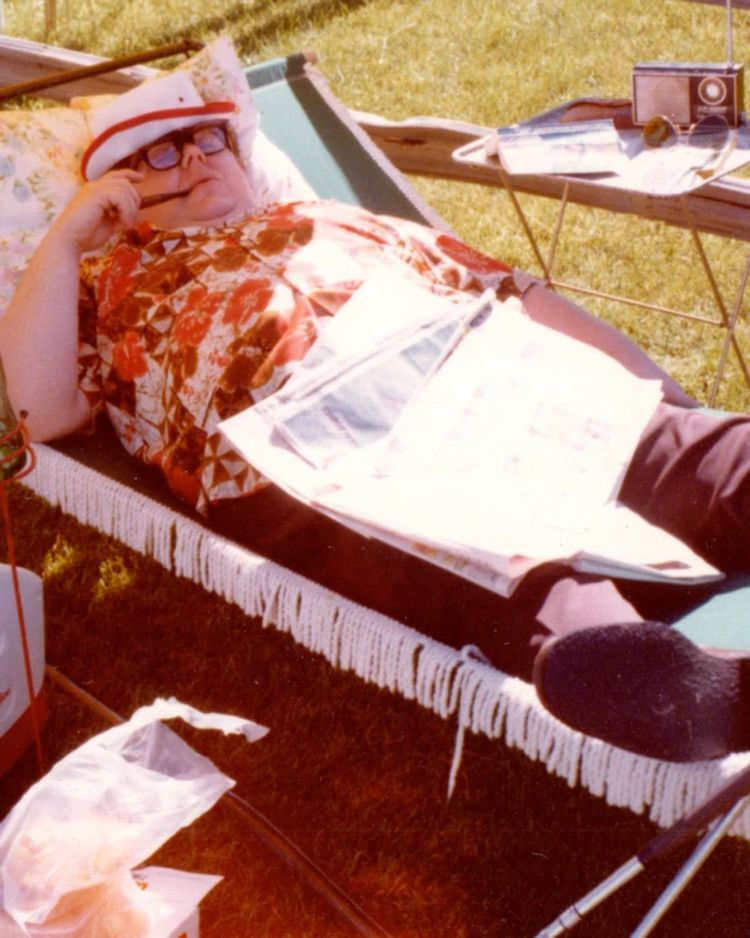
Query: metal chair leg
{"type": "Point", "coordinates": [728, 801]}
{"type": "Point", "coordinates": [730, 338]}
{"type": "Point", "coordinates": [576, 912]}
{"type": "Point", "coordinates": [688, 870]}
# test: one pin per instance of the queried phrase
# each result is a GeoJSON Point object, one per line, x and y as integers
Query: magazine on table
{"type": "Point", "coordinates": [580, 147]}
{"type": "Point", "coordinates": [468, 435]}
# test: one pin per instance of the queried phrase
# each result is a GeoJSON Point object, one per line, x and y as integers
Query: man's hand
{"type": "Point", "coordinates": [98, 209]}
{"type": "Point", "coordinates": [39, 332]}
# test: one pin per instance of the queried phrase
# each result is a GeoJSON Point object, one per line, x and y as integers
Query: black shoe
{"type": "Point", "coordinates": [646, 688]}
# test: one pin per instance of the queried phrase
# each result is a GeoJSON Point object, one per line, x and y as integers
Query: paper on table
{"type": "Point", "coordinates": [581, 147]}
{"type": "Point", "coordinates": [617, 158]}
{"type": "Point", "coordinates": [677, 169]}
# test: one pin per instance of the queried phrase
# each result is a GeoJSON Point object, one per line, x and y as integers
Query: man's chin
{"type": "Point", "coordinates": [213, 211]}
{"type": "Point", "coordinates": [205, 204]}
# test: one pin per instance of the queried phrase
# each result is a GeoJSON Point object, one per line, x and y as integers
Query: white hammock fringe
{"type": "Point", "coordinates": [380, 650]}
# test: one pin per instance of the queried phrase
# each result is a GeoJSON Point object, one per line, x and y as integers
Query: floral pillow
{"type": "Point", "coordinates": [40, 158]}
{"type": "Point", "coordinates": [41, 150]}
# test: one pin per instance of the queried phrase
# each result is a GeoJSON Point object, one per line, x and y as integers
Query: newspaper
{"type": "Point", "coordinates": [610, 156]}
{"type": "Point", "coordinates": [356, 380]}
{"type": "Point", "coordinates": [504, 449]}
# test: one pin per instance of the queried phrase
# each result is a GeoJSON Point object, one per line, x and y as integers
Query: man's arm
{"type": "Point", "coordinates": [550, 309]}
{"type": "Point", "coordinates": [39, 332]}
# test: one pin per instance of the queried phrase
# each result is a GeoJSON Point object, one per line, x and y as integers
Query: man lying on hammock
{"type": "Point", "coordinates": [164, 294]}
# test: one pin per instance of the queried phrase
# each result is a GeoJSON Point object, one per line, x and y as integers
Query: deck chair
{"type": "Point", "coordinates": [416, 644]}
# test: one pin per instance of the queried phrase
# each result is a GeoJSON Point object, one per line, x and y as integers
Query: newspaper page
{"type": "Point", "coordinates": [354, 381]}
{"type": "Point", "coordinates": [509, 452]}
{"type": "Point", "coordinates": [354, 388]}
{"type": "Point", "coordinates": [522, 440]}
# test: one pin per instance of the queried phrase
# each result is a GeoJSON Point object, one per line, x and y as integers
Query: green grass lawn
{"type": "Point", "coordinates": [355, 775]}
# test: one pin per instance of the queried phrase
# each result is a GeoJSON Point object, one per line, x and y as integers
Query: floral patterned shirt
{"type": "Point", "coordinates": [182, 329]}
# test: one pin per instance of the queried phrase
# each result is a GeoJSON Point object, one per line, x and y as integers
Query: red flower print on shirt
{"type": "Point", "coordinates": [249, 297]}
{"type": "Point", "coordinates": [295, 336]}
{"type": "Point", "coordinates": [129, 357]}
{"type": "Point", "coordinates": [115, 282]}
{"type": "Point", "coordinates": [141, 233]}
{"type": "Point", "coordinates": [474, 261]}
{"type": "Point", "coordinates": [194, 319]}
{"type": "Point", "coordinates": [284, 227]}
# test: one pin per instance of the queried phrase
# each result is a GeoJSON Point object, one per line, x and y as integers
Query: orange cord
{"type": "Point", "coordinates": [19, 432]}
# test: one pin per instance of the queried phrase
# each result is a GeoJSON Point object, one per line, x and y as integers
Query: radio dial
{"type": "Point", "coordinates": [712, 91]}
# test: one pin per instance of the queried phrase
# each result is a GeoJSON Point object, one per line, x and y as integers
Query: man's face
{"type": "Point", "coordinates": [205, 188]}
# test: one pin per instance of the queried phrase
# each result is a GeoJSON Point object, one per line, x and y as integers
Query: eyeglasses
{"type": "Point", "coordinates": [166, 153]}
{"type": "Point", "coordinates": [710, 132]}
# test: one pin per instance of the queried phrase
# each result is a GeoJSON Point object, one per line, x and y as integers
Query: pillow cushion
{"type": "Point", "coordinates": [40, 157]}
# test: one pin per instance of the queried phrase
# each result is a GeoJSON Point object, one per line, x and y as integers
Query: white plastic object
{"type": "Point", "coordinates": [14, 694]}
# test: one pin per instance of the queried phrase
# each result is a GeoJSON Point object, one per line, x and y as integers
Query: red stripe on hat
{"type": "Point", "coordinates": [209, 108]}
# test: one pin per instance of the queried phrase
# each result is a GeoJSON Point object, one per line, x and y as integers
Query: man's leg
{"type": "Point", "coordinates": [643, 686]}
{"type": "Point", "coordinates": [690, 475]}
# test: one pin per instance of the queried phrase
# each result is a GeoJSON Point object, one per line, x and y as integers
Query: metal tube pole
{"type": "Point", "coordinates": [688, 870]}
{"type": "Point", "coordinates": [721, 802]}
{"type": "Point", "coordinates": [575, 913]}
{"type": "Point", "coordinates": [35, 85]}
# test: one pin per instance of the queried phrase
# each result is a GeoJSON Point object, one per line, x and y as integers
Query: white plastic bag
{"type": "Point", "coordinates": [68, 847]}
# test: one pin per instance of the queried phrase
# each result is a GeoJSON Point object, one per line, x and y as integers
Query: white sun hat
{"type": "Point", "coordinates": [143, 115]}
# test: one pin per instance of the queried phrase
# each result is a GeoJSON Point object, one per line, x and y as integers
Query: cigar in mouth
{"type": "Point", "coordinates": [149, 201]}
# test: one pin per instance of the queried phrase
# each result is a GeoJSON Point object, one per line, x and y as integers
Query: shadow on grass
{"type": "Point", "coordinates": [250, 26]}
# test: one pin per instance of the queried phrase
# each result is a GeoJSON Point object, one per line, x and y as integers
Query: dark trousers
{"type": "Point", "coordinates": [690, 474]}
